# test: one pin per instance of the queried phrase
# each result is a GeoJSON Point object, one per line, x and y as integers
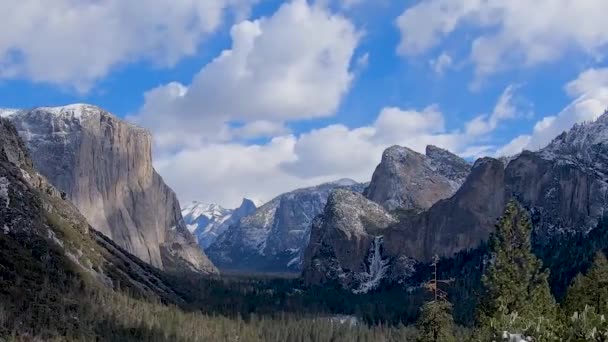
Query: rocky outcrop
{"type": "Point", "coordinates": [405, 179]}
{"type": "Point", "coordinates": [273, 239]}
{"type": "Point", "coordinates": [341, 238]}
{"type": "Point", "coordinates": [208, 221]}
{"type": "Point", "coordinates": [452, 225]}
{"type": "Point", "coordinates": [46, 242]}
{"type": "Point", "coordinates": [564, 187]}
{"type": "Point", "coordinates": [104, 166]}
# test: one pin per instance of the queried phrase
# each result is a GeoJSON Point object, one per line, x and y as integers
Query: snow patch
{"type": "Point", "coordinates": [294, 261]}
{"type": "Point", "coordinates": [7, 112]}
{"type": "Point", "coordinates": [6, 229]}
{"type": "Point", "coordinates": [377, 268]}
{"type": "Point", "coordinates": [4, 183]}
{"type": "Point", "coordinates": [52, 236]}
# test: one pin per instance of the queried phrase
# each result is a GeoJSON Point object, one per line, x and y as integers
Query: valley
{"type": "Point", "coordinates": [108, 230]}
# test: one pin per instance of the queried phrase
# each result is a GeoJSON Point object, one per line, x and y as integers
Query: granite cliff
{"type": "Point", "coordinates": [104, 166]}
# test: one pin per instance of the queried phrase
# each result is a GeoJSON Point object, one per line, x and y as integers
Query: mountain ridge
{"type": "Point", "coordinates": [563, 187]}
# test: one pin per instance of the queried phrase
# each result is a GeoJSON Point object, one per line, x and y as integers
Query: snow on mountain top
{"type": "Point", "coordinates": [77, 110]}
{"type": "Point", "coordinates": [580, 141]}
{"type": "Point", "coordinates": [397, 152]}
{"type": "Point", "coordinates": [258, 202]}
{"type": "Point", "coordinates": [344, 182]}
{"type": "Point", "coordinates": [7, 112]}
{"type": "Point", "coordinates": [210, 210]}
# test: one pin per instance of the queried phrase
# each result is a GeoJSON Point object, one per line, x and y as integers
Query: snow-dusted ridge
{"type": "Point", "coordinates": [274, 238]}
{"type": "Point", "coordinates": [7, 112]}
{"type": "Point", "coordinates": [76, 112]}
{"type": "Point", "coordinates": [207, 221]}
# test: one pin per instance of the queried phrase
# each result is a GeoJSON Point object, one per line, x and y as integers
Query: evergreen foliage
{"type": "Point", "coordinates": [567, 255]}
{"type": "Point", "coordinates": [590, 292]}
{"type": "Point", "coordinates": [436, 322]}
{"type": "Point", "coordinates": [517, 297]}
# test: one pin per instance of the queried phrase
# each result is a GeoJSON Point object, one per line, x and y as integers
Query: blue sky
{"type": "Point", "coordinates": [311, 91]}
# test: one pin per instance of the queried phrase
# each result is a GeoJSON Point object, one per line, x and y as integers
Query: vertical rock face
{"type": "Point", "coordinates": [564, 186]}
{"type": "Point", "coordinates": [455, 224]}
{"type": "Point", "coordinates": [104, 166]}
{"type": "Point", "coordinates": [33, 216]}
{"type": "Point", "coordinates": [341, 238]}
{"type": "Point", "coordinates": [405, 179]}
{"type": "Point", "coordinates": [274, 237]}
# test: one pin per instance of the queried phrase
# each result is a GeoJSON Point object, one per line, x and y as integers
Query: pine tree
{"type": "Point", "coordinates": [436, 323]}
{"type": "Point", "coordinates": [516, 290]}
{"type": "Point", "coordinates": [591, 289]}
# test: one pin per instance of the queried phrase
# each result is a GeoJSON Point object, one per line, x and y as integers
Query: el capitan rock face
{"type": "Point", "coordinates": [104, 166]}
{"type": "Point", "coordinates": [45, 238]}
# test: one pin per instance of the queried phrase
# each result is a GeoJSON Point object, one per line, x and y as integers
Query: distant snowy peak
{"type": "Point", "coordinates": [275, 236]}
{"type": "Point", "coordinates": [208, 220]}
{"type": "Point", "coordinates": [7, 112]}
{"type": "Point", "coordinates": [209, 210]}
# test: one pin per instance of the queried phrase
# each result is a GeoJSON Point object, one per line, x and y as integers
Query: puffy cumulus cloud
{"type": "Point", "coordinates": [337, 151]}
{"type": "Point", "coordinates": [288, 162]}
{"type": "Point", "coordinates": [293, 65]}
{"type": "Point", "coordinates": [75, 43]}
{"type": "Point", "coordinates": [590, 93]}
{"type": "Point", "coordinates": [514, 32]}
{"type": "Point", "coordinates": [224, 172]}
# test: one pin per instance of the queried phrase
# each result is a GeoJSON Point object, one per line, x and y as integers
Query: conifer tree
{"type": "Point", "coordinates": [516, 290]}
{"type": "Point", "coordinates": [436, 323]}
{"type": "Point", "coordinates": [590, 289]}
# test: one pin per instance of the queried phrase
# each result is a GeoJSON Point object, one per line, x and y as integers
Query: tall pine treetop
{"type": "Point", "coordinates": [514, 282]}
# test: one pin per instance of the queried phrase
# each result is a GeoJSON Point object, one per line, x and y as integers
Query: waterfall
{"type": "Point", "coordinates": [376, 269]}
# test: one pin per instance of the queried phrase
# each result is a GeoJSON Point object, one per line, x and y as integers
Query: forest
{"type": "Point", "coordinates": [479, 300]}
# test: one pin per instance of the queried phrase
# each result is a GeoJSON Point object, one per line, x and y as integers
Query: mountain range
{"type": "Point", "coordinates": [274, 237]}
{"type": "Point", "coordinates": [361, 241]}
{"type": "Point", "coordinates": [415, 207]}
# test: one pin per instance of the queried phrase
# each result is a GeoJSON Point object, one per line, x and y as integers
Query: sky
{"type": "Point", "coordinates": [253, 98]}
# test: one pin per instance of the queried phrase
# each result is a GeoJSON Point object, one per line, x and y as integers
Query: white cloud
{"type": "Point", "coordinates": [261, 128]}
{"type": "Point", "coordinates": [75, 43]}
{"type": "Point", "coordinates": [225, 171]}
{"type": "Point", "coordinates": [293, 65]}
{"type": "Point", "coordinates": [517, 32]}
{"type": "Point", "coordinates": [424, 25]}
{"type": "Point", "coordinates": [590, 93]}
{"type": "Point", "coordinates": [440, 64]}
{"type": "Point", "coordinates": [505, 109]}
